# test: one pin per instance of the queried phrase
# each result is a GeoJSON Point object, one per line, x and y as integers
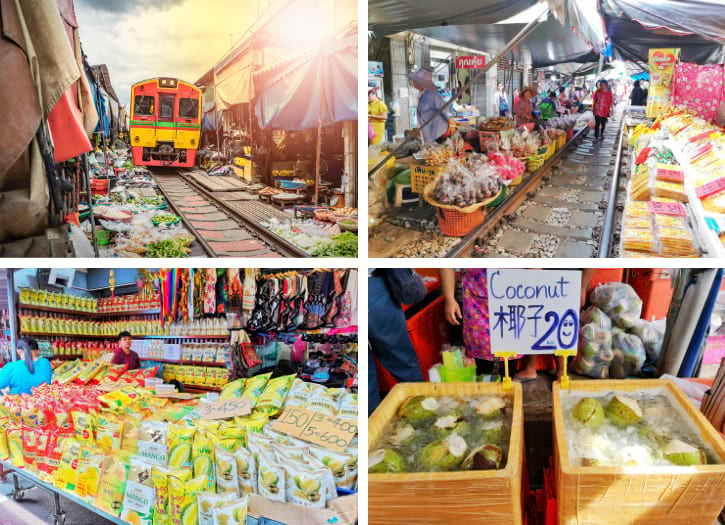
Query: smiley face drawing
{"type": "Point", "coordinates": [567, 330]}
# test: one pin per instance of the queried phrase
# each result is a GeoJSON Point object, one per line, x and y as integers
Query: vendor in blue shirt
{"type": "Point", "coordinates": [28, 371]}
{"type": "Point", "coordinates": [429, 103]}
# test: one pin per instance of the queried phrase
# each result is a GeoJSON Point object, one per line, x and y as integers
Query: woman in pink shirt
{"type": "Point", "coordinates": [601, 103]}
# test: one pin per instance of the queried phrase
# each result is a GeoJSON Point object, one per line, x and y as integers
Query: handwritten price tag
{"type": "Point", "coordinates": [667, 208]}
{"type": "Point", "coordinates": [711, 187]}
{"type": "Point", "coordinates": [317, 428]}
{"type": "Point", "coordinates": [224, 408]}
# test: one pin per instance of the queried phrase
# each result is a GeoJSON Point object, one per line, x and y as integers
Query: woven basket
{"type": "Point", "coordinates": [421, 175]}
{"type": "Point", "coordinates": [550, 150]}
{"type": "Point", "coordinates": [534, 162]}
{"type": "Point", "coordinates": [561, 141]}
{"type": "Point", "coordinates": [515, 182]}
{"type": "Point", "coordinates": [656, 495]}
{"type": "Point", "coordinates": [483, 496]}
{"type": "Point", "coordinates": [455, 221]}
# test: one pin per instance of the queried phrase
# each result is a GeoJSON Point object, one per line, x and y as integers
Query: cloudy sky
{"type": "Point", "coordinates": [140, 39]}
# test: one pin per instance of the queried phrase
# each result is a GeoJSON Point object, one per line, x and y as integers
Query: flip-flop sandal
{"type": "Point", "coordinates": [524, 379]}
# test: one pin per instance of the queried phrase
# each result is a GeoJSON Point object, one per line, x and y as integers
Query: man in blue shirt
{"type": "Point", "coordinates": [28, 371]}
{"type": "Point", "coordinates": [428, 105]}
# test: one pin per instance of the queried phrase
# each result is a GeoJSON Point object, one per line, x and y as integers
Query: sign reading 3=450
{"type": "Point", "coordinates": [533, 311]}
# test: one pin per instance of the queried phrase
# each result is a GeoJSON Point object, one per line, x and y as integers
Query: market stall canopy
{"type": "Point", "coordinates": [549, 44]}
{"type": "Point", "coordinates": [386, 17]}
{"type": "Point", "coordinates": [289, 95]}
{"type": "Point", "coordinates": [632, 41]}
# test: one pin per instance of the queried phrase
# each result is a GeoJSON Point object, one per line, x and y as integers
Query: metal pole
{"type": "Point", "coordinates": [319, 128]}
{"type": "Point", "coordinates": [12, 313]}
{"type": "Point", "coordinates": [90, 203]}
{"type": "Point", "coordinates": [604, 245]}
{"type": "Point", "coordinates": [526, 31]}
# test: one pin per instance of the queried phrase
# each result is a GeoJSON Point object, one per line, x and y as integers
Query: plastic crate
{"type": "Point", "coordinates": [654, 287]}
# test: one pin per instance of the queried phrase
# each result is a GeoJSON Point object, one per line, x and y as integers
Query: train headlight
{"type": "Point", "coordinates": [137, 139]}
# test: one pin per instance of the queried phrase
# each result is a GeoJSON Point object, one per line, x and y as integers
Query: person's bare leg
{"type": "Point", "coordinates": [528, 370]}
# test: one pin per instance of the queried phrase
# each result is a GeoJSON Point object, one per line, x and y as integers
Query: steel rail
{"type": "Point", "coordinates": [605, 244]}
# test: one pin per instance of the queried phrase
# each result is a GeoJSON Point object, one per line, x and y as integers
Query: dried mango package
{"type": "Point", "coordinates": [109, 432]}
{"type": "Point", "coordinates": [152, 442]}
{"type": "Point", "coordinates": [89, 472]}
{"type": "Point", "coordinates": [93, 369]}
{"type": "Point", "coordinates": [30, 447]}
{"type": "Point", "coordinates": [131, 429]}
{"type": "Point", "coordinates": [15, 444]}
{"type": "Point", "coordinates": [84, 427]}
{"type": "Point", "coordinates": [138, 504]}
{"type": "Point", "coordinates": [112, 487]}
{"type": "Point", "coordinates": [4, 449]}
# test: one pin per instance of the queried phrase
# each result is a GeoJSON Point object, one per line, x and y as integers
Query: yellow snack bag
{"type": "Point", "coordinates": [4, 449]}
{"type": "Point", "coordinates": [181, 439]}
{"type": "Point", "coordinates": [93, 369]}
{"type": "Point", "coordinates": [183, 506]}
{"type": "Point", "coordinates": [233, 389]}
{"type": "Point", "coordinates": [233, 514]}
{"type": "Point", "coordinates": [112, 488]}
{"type": "Point", "coordinates": [67, 474]}
{"type": "Point", "coordinates": [254, 386]}
{"type": "Point", "coordinates": [160, 479]}
{"type": "Point", "coordinates": [252, 423]}
{"type": "Point", "coordinates": [109, 432]}
{"type": "Point", "coordinates": [83, 424]}
{"type": "Point", "coordinates": [89, 472]}
{"type": "Point", "coordinates": [230, 430]}
{"type": "Point", "coordinates": [209, 502]}
{"type": "Point", "coordinates": [272, 399]}
{"type": "Point", "coordinates": [15, 445]}
{"type": "Point", "coordinates": [131, 429]}
{"type": "Point", "coordinates": [202, 453]}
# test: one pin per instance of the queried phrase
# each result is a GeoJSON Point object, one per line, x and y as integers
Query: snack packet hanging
{"type": "Point", "coordinates": [207, 502]}
{"type": "Point", "coordinates": [112, 488]}
{"type": "Point", "coordinates": [232, 514]}
{"type": "Point", "coordinates": [273, 396]}
{"type": "Point", "coordinates": [225, 468]}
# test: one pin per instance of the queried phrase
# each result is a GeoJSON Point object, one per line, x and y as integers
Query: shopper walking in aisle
{"type": "Point", "coordinates": [637, 97]}
{"type": "Point", "coordinates": [601, 104]}
{"type": "Point", "coordinates": [387, 332]}
{"type": "Point", "coordinates": [429, 105]}
{"type": "Point", "coordinates": [123, 354]}
{"type": "Point", "coordinates": [28, 371]}
{"type": "Point", "coordinates": [501, 102]}
{"type": "Point", "coordinates": [377, 115]}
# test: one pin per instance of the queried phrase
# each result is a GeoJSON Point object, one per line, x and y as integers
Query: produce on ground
{"type": "Point", "coordinates": [634, 429]}
{"type": "Point", "coordinates": [343, 245]}
{"type": "Point", "coordinates": [449, 433]}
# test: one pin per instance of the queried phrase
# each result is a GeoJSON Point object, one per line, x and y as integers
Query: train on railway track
{"type": "Point", "coordinates": [165, 123]}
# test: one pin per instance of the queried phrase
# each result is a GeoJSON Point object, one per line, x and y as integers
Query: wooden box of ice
{"type": "Point", "coordinates": [674, 495]}
{"type": "Point", "coordinates": [483, 496]}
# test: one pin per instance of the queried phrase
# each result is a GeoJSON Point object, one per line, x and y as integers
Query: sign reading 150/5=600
{"type": "Point", "coordinates": [533, 311]}
{"type": "Point", "coordinates": [317, 428]}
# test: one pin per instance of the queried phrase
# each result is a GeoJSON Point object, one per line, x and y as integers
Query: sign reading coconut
{"type": "Point", "coordinates": [533, 311]}
{"type": "Point", "coordinates": [316, 427]}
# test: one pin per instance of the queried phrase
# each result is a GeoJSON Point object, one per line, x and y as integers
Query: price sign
{"type": "Point", "coordinates": [667, 208]}
{"type": "Point", "coordinates": [670, 175]}
{"type": "Point", "coordinates": [711, 187]}
{"type": "Point", "coordinates": [316, 427]}
{"type": "Point", "coordinates": [224, 408]}
{"type": "Point", "coordinates": [533, 311]}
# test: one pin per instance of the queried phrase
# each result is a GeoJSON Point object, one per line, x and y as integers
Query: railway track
{"type": "Point", "coordinates": [559, 211]}
{"type": "Point", "coordinates": [223, 227]}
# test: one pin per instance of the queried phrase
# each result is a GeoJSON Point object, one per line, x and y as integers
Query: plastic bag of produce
{"type": "Point", "coordinates": [628, 352]}
{"type": "Point", "coordinates": [652, 334]}
{"type": "Point", "coordinates": [596, 316]}
{"type": "Point", "coordinates": [594, 352]}
{"type": "Point", "coordinates": [619, 301]}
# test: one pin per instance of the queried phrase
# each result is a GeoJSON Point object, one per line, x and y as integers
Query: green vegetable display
{"type": "Point", "coordinates": [168, 248]}
{"type": "Point", "coordinates": [344, 245]}
{"type": "Point", "coordinates": [167, 218]}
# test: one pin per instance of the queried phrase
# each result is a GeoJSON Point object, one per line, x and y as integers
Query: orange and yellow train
{"type": "Point", "coordinates": [165, 122]}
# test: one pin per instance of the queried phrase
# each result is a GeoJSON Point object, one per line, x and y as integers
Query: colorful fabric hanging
{"type": "Point", "coordinates": [234, 291]}
{"type": "Point", "coordinates": [699, 88]}
{"type": "Point", "coordinates": [210, 291]}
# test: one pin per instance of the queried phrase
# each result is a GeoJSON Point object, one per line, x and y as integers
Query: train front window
{"type": "Point", "coordinates": [188, 108]}
{"type": "Point", "coordinates": [143, 106]}
{"type": "Point", "coordinates": [166, 107]}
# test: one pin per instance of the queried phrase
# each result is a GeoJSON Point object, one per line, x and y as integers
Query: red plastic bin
{"type": "Point", "coordinates": [654, 287]}
{"type": "Point", "coordinates": [428, 331]}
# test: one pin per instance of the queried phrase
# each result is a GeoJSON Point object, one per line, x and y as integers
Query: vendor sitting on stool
{"type": "Point", "coordinates": [429, 103]}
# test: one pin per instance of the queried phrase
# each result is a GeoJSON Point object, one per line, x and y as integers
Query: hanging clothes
{"type": "Point", "coordinates": [221, 291]}
{"type": "Point", "coordinates": [210, 291]}
{"type": "Point", "coordinates": [199, 287]}
{"type": "Point", "coordinates": [234, 291]}
{"type": "Point", "coordinates": [249, 294]}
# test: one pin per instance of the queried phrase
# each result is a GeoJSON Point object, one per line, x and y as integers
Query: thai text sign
{"type": "Point", "coordinates": [470, 62]}
{"type": "Point", "coordinates": [533, 311]}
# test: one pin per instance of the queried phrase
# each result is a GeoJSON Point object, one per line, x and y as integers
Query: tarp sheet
{"type": "Point", "coordinates": [290, 98]}
{"type": "Point", "coordinates": [100, 102]}
{"type": "Point", "coordinates": [211, 120]}
{"type": "Point", "coordinates": [386, 17]}
{"type": "Point", "coordinates": [631, 41]}
{"type": "Point", "coordinates": [702, 17]}
{"type": "Point", "coordinates": [549, 44]}
{"type": "Point", "coordinates": [233, 82]}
